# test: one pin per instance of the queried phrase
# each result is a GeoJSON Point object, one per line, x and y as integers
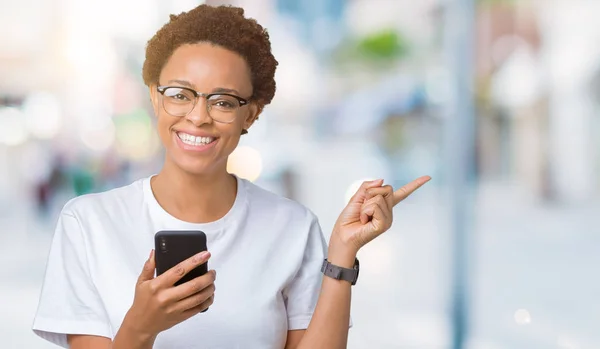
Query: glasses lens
{"type": "Point", "coordinates": [178, 101]}
{"type": "Point", "coordinates": [223, 108]}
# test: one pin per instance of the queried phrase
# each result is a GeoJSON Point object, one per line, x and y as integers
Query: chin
{"type": "Point", "coordinates": [195, 166]}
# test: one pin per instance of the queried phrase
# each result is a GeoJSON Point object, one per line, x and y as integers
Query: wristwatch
{"type": "Point", "coordinates": [339, 273]}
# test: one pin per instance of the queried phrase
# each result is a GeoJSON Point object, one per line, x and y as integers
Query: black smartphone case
{"type": "Point", "coordinates": [174, 246]}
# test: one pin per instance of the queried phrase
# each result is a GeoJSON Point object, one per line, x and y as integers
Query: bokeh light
{"type": "Point", "coordinates": [98, 135]}
{"type": "Point", "coordinates": [12, 127]}
{"type": "Point", "coordinates": [91, 56]}
{"type": "Point", "coordinates": [43, 115]}
{"type": "Point", "coordinates": [522, 317]}
{"type": "Point", "coordinates": [135, 138]}
{"type": "Point", "coordinates": [245, 162]}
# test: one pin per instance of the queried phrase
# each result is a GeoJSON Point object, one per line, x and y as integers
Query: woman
{"type": "Point", "coordinates": [210, 72]}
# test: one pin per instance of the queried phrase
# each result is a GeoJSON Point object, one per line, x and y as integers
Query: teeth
{"type": "Point", "coordinates": [193, 140]}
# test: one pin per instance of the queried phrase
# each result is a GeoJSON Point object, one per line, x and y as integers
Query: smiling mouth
{"type": "Point", "coordinates": [194, 140]}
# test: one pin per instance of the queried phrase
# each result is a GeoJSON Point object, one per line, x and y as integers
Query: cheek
{"type": "Point", "coordinates": [232, 131]}
{"type": "Point", "coordinates": [163, 125]}
{"type": "Point", "coordinates": [231, 137]}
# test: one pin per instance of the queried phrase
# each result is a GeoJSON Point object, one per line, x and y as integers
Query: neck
{"type": "Point", "coordinates": [194, 198]}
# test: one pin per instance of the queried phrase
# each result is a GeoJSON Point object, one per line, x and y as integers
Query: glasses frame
{"type": "Point", "coordinates": [197, 95]}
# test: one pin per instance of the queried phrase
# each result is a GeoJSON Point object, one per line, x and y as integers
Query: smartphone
{"type": "Point", "coordinates": [174, 246]}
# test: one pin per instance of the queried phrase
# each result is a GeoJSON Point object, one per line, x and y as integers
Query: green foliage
{"type": "Point", "coordinates": [378, 51]}
{"type": "Point", "coordinates": [387, 44]}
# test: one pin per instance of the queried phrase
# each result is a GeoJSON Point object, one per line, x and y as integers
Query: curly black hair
{"type": "Point", "coordinates": [224, 26]}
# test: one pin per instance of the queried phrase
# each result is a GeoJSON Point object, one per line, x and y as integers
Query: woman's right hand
{"type": "Point", "coordinates": [158, 305]}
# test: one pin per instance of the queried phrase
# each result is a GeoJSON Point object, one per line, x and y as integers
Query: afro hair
{"type": "Point", "coordinates": [224, 26]}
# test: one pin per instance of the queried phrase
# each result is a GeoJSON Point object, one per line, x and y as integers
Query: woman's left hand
{"type": "Point", "coordinates": [369, 214]}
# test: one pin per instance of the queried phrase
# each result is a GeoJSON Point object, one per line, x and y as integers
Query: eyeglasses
{"type": "Point", "coordinates": [180, 101]}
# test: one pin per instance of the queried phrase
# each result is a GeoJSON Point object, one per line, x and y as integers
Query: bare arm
{"type": "Point", "coordinates": [293, 338]}
{"type": "Point", "coordinates": [88, 342]}
{"type": "Point", "coordinates": [330, 322]}
{"type": "Point", "coordinates": [368, 215]}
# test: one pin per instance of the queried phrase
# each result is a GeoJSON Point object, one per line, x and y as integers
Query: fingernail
{"type": "Point", "coordinates": [200, 256]}
{"type": "Point", "coordinates": [151, 254]}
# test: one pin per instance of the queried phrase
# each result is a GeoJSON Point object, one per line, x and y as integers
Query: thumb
{"type": "Point", "coordinates": [148, 270]}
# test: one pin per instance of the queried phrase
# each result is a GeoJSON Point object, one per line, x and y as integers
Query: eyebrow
{"type": "Point", "coordinates": [225, 90]}
{"type": "Point", "coordinates": [215, 90]}
{"type": "Point", "coordinates": [182, 82]}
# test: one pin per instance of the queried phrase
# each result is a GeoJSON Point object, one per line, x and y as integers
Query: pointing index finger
{"type": "Point", "coordinates": [408, 189]}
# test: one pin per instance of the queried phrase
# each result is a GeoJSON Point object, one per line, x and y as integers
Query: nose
{"type": "Point", "coordinates": [199, 115]}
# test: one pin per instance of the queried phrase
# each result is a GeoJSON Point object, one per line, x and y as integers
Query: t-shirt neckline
{"type": "Point", "coordinates": [157, 211]}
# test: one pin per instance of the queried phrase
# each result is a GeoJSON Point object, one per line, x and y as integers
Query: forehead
{"type": "Point", "coordinates": [207, 67]}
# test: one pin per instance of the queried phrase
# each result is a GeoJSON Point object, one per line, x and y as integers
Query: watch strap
{"type": "Point", "coordinates": [339, 273]}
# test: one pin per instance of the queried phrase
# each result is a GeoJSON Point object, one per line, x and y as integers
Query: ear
{"type": "Point", "coordinates": [254, 111]}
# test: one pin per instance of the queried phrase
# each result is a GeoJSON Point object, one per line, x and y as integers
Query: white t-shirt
{"type": "Point", "coordinates": [267, 251]}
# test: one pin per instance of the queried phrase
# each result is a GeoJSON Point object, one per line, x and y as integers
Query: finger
{"type": "Point", "coordinates": [386, 191]}
{"type": "Point", "coordinates": [195, 299]}
{"type": "Point", "coordinates": [408, 189]}
{"type": "Point", "coordinates": [359, 196]}
{"type": "Point", "coordinates": [199, 308]}
{"type": "Point", "coordinates": [193, 286]}
{"type": "Point", "coordinates": [148, 270]}
{"type": "Point", "coordinates": [171, 276]}
{"type": "Point", "coordinates": [380, 221]}
{"type": "Point", "coordinates": [367, 210]}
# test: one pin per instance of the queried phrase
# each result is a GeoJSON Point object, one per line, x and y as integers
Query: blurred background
{"type": "Point", "coordinates": [497, 100]}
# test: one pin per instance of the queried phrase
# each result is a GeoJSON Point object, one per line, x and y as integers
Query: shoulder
{"type": "Point", "coordinates": [107, 202]}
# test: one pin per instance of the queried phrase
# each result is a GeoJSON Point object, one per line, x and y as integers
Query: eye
{"type": "Point", "coordinates": [180, 95]}
{"type": "Point", "coordinates": [223, 102]}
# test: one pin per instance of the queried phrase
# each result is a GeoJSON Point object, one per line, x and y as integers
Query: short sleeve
{"type": "Point", "coordinates": [69, 302]}
{"type": "Point", "coordinates": [302, 293]}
